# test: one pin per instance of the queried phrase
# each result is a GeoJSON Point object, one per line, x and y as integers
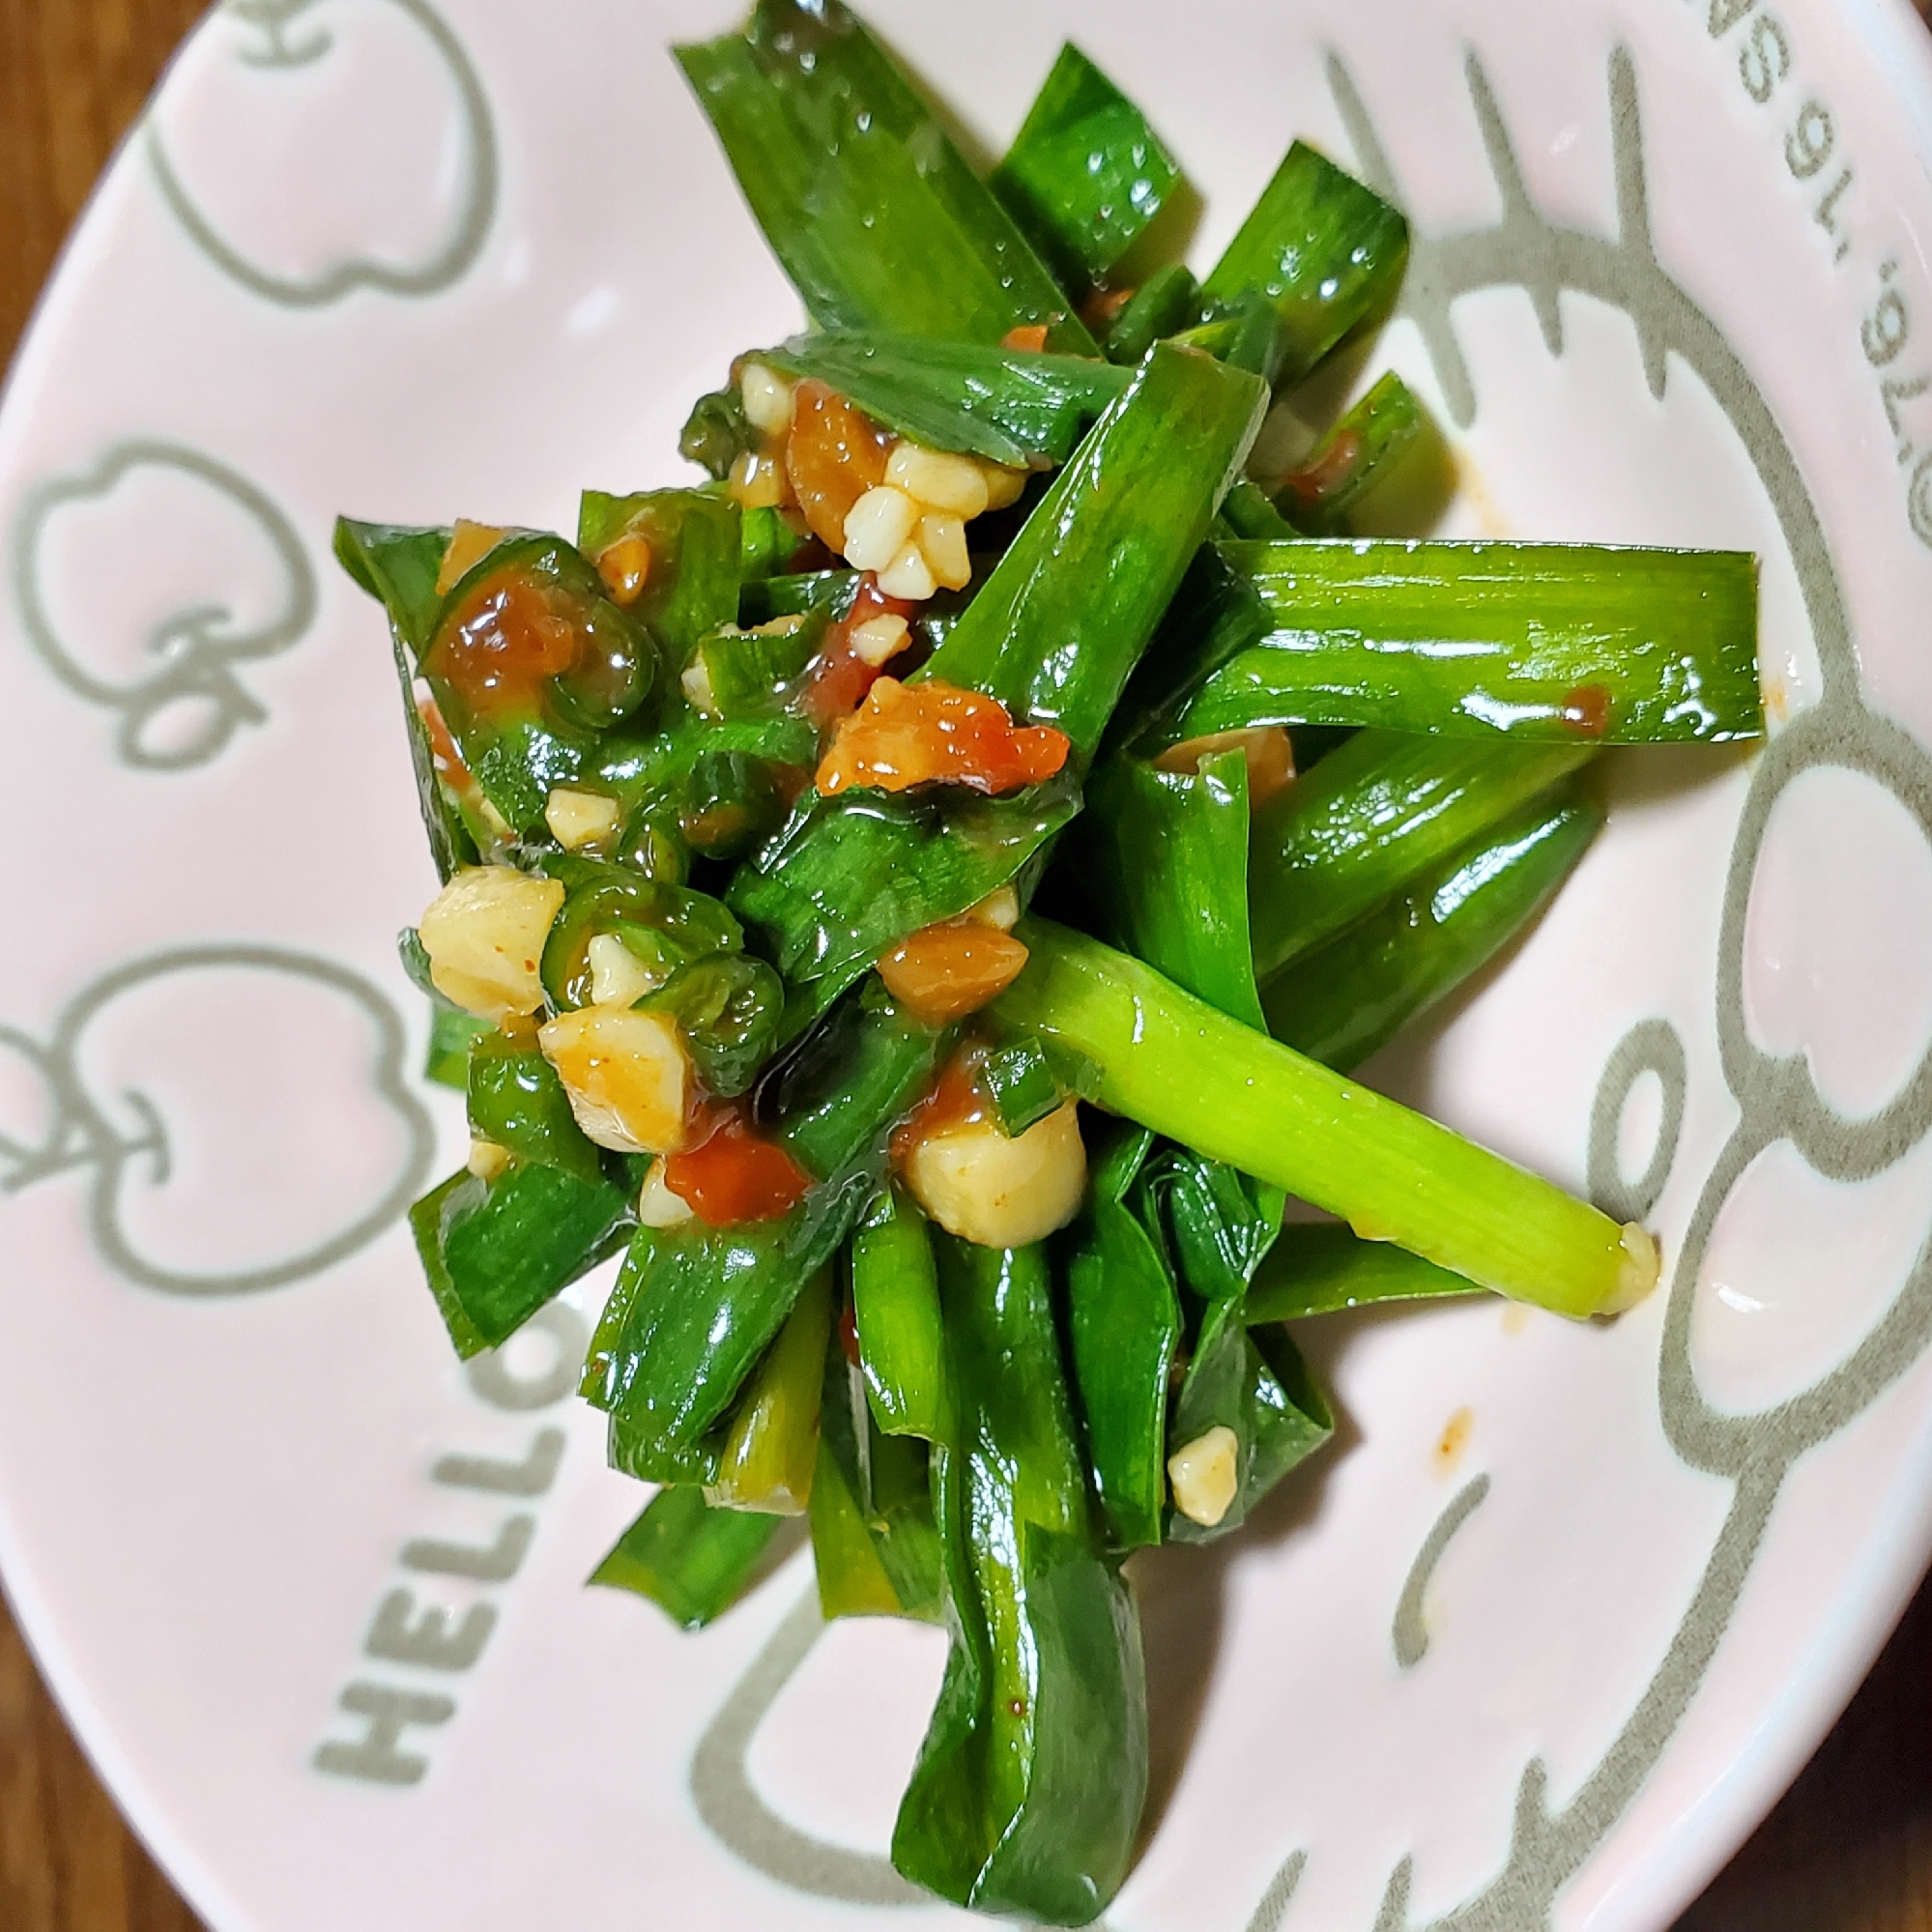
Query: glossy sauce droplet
{"type": "Point", "coordinates": [734, 1176]}
{"type": "Point", "coordinates": [1331, 469]}
{"type": "Point", "coordinates": [1586, 710]}
{"type": "Point", "coordinates": [935, 733]}
{"type": "Point", "coordinates": [834, 454]}
{"type": "Point", "coordinates": [500, 646]}
{"type": "Point", "coordinates": [941, 973]}
{"type": "Point", "coordinates": [1453, 1440]}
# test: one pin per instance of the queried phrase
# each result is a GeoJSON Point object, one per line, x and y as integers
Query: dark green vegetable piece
{"type": "Point", "coordinates": [1323, 1267]}
{"type": "Point", "coordinates": [873, 1534]}
{"type": "Point", "coordinates": [517, 1101]}
{"type": "Point", "coordinates": [1086, 174]}
{"type": "Point", "coordinates": [1164, 861]}
{"type": "Point", "coordinates": [851, 875]}
{"type": "Point", "coordinates": [1255, 1384]}
{"type": "Point", "coordinates": [1058, 627]}
{"type": "Point", "coordinates": [1243, 330]}
{"type": "Point", "coordinates": [695, 1308]}
{"type": "Point", "coordinates": [1372, 814]}
{"type": "Point", "coordinates": [750, 669]}
{"type": "Point", "coordinates": [666, 926]}
{"type": "Point", "coordinates": [399, 568]}
{"type": "Point", "coordinates": [1012, 406]}
{"type": "Point", "coordinates": [727, 1008]}
{"type": "Point", "coordinates": [1167, 303]}
{"type": "Point", "coordinates": [1347, 999]}
{"type": "Point", "coordinates": [1045, 1683]}
{"type": "Point", "coordinates": [692, 1561]}
{"type": "Point", "coordinates": [806, 594]}
{"type": "Point", "coordinates": [1020, 1081]}
{"type": "Point", "coordinates": [767, 547]}
{"type": "Point", "coordinates": [1538, 641]}
{"type": "Point", "coordinates": [495, 1251]}
{"type": "Point", "coordinates": [1248, 513]}
{"type": "Point", "coordinates": [1326, 252]}
{"type": "Point", "coordinates": [730, 800]}
{"type": "Point", "coordinates": [873, 212]}
{"type": "Point", "coordinates": [650, 769]}
{"type": "Point", "coordinates": [452, 1032]}
{"type": "Point", "coordinates": [1215, 615]}
{"type": "Point", "coordinates": [1350, 460]}
{"type": "Point", "coordinates": [767, 1459]}
{"type": "Point", "coordinates": [1217, 1222]}
{"type": "Point", "coordinates": [634, 1451]}
{"type": "Point", "coordinates": [717, 432]}
{"type": "Point", "coordinates": [896, 1314]}
{"type": "Point", "coordinates": [397, 565]}
{"type": "Point", "coordinates": [1176, 1065]}
{"type": "Point", "coordinates": [1123, 1331]}
{"type": "Point", "coordinates": [696, 558]}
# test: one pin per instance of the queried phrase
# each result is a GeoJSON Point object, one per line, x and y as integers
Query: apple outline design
{"type": "Point", "coordinates": [82, 1137]}
{"type": "Point", "coordinates": [196, 654]}
{"type": "Point", "coordinates": [473, 223]}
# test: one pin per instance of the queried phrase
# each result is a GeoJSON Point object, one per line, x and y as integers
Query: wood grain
{"type": "Point", "coordinates": [1848, 1850]}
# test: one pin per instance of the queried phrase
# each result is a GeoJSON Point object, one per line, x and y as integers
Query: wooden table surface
{"type": "Point", "coordinates": [1849, 1848]}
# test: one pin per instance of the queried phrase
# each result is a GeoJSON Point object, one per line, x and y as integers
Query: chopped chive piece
{"type": "Point", "coordinates": [767, 1456]}
{"type": "Point", "coordinates": [896, 1311]}
{"type": "Point", "coordinates": [1176, 1065]}
{"type": "Point", "coordinates": [1167, 303]}
{"type": "Point", "coordinates": [452, 1033]}
{"type": "Point", "coordinates": [1350, 460]}
{"type": "Point", "coordinates": [1045, 1678]}
{"type": "Point", "coordinates": [1349, 997]}
{"type": "Point", "coordinates": [1123, 1331]}
{"type": "Point", "coordinates": [873, 1533]}
{"type": "Point", "coordinates": [517, 1101]}
{"type": "Point", "coordinates": [1519, 640]}
{"type": "Point", "coordinates": [1019, 1078]}
{"type": "Point", "coordinates": [1248, 513]}
{"type": "Point", "coordinates": [692, 1561]}
{"type": "Point", "coordinates": [866, 202]}
{"type": "Point", "coordinates": [1322, 1268]}
{"type": "Point", "coordinates": [1373, 814]}
{"type": "Point", "coordinates": [1325, 252]}
{"type": "Point", "coordinates": [1059, 625]}
{"type": "Point", "coordinates": [1086, 174]}
{"type": "Point", "coordinates": [1007, 405]}
{"type": "Point", "coordinates": [696, 558]}
{"type": "Point", "coordinates": [495, 1251]}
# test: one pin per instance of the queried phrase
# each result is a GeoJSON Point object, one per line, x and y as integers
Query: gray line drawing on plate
{"type": "Point", "coordinates": [1777, 1100]}
{"type": "Point", "coordinates": [1408, 1632]}
{"type": "Point", "coordinates": [83, 1136]}
{"type": "Point", "coordinates": [195, 650]}
{"type": "Point", "coordinates": [480, 168]}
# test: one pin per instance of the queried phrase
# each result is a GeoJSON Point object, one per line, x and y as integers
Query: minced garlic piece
{"type": "Point", "coordinates": [484, 935]}
{"type": "Point", "coordinates": [578, 819]}
{"type": "Point", "coordinates": [1001, 1192]}
{"type": "Point", "coordinates": [1205, 1474]}
{"type": "Point", "coordinates": [626, 1075]}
